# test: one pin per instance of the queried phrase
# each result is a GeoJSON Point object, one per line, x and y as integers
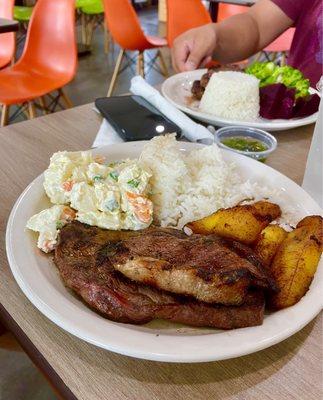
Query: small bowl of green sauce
{"type": "Point", "coordinates": [251, 142]}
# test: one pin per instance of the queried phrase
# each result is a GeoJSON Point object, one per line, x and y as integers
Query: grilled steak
{"type": "Point", "coordinates": [83, 260]}
{"type": "Point", "coordinates": [209, 268]}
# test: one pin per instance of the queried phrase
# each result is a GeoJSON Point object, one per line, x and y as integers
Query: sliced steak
{"type": "Point", "coordinates": [83, 260]}
{"type": "Point", "coordinates": [209, 268]}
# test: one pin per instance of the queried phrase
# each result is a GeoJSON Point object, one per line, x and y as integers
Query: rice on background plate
{"type": "Point", "coordinates": [189, 186]}
{"type": "Point", "coordinates": [232, 95]}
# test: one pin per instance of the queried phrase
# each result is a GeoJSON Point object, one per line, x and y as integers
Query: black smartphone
{"type": "Point", "coordinates": [134, 118]}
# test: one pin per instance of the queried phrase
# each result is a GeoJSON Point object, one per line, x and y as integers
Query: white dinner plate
{"type": "Point", "coordinates": [177, 90]}
{"type": "Point", "coordinates": [38, 278]}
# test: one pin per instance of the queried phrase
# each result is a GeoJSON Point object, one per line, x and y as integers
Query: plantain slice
{"type": "Point", "coordinates": [295, 262]}
{"type": "Point", "coordinates": [268, 243]}
{"type": "Point", "coordinates": [243, 223]}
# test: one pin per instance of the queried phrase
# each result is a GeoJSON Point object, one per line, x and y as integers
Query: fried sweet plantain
{"type": "Point", "coordinates": [268, 243]}
{"type": "Point", "coordinates": [295, 262]}
{"type": "Point", "coordinates": [242, 223]}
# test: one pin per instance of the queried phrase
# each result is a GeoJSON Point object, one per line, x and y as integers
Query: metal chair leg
{"type": "Point", "coordinates": [4, 115]}
{"type": "Point", "coordinates": [115, 72]}
{"type": "Point", "coordinates": [163, 65]}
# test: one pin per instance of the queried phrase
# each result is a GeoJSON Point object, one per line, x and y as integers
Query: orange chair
{"type": "Point", "coordinates": [7, 40]}
{"type": "Point", "coordinates": [281, 44]}
{"type": "Point", "coordinates": [48, 61]}
{"type": "Point", "coordinates": [227, 10]}
{"type": "Point", "coordinates": [182, 17]}
{"type": "Point", "coordinates": [124, 27]}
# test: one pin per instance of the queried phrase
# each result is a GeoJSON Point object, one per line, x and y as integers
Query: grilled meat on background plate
{"type": "Point", "coordinates": [83, 258]}
{"type": "Point", "coordinates": [199, 86]}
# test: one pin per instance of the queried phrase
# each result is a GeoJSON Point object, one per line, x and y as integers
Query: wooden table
{"type": "Point", "coordinates": [8, 25]}
{"type": "Point", "coordinates": [214, 6]}
{"type": "Point", "coordinates": [289, 370]}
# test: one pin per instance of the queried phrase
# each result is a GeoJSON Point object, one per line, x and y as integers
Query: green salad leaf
{"type": "Point", "coordinates": [268, 73]}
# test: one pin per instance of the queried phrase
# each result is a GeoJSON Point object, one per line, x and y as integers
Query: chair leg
{"type": "Point", "coordinates": [4, 115]}
{"type": "Point", "coordinates": [163, 65]}
{"type": "Point", "coordinates": [141, 64]}
{"type": "Point", "coordinates": [283, 58]}
{"type": "Point", "coordinates": [115, 72]}
{"type": "Point", "coordinates": [106, 39]}
{"type": "Point", "coordinates": [274, 56]}
{"type": "Point", "coordinates": [257, 56]}
{"type": "Point", "coordinates": [43, 105]}
{"type": "Point", "coordinates": [31, 110]}
{"type": "Point", "coordinates": [91, 26]}
{"type": "Point", "coordinates": [66, 99]}
{"type": "Point", "coordinates": [83, 25]}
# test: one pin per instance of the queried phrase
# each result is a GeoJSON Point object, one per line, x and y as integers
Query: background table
{"type": "Point", "coordinates": [8, 25]}
{"type": "Point", "coordinates": [289, 370]}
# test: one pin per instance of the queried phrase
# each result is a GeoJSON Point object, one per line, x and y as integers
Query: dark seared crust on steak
{"type": "Point", "coordinates": [209, 268]}
{"type": "Point", "coordinates": [82, 258]}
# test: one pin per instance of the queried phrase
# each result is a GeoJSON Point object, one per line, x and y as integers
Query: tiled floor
{"type": "Point", "coordinates": [19, 379]}
{"type": "Point", "coordinates": [95, 71]}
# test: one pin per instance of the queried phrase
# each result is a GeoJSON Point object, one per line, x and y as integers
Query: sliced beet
{"type": "Point", "coordinates": [276, 101]}
{"type": "Point", "coordinates": [305, 106]}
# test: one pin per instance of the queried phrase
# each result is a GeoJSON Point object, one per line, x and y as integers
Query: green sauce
{"type": "Point", "coordinates": [244, 144]}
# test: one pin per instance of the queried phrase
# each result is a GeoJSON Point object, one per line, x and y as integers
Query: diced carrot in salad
{"type": "Point", "coordinates": [141, 205]}
{"type": "Point", "coordinates": [68, 185]}
{"type": "Point", "coordinates": [68, 214]}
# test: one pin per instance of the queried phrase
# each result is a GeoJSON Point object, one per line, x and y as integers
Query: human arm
{"type": "Point", "coordinates": [231, 40]}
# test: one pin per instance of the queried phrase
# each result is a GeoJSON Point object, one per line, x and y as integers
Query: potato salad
{"type": "Point", "coordinates": [92, 190]}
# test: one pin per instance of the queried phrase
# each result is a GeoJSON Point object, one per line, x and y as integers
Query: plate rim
{"type": "Point", "coordinates": [269, 125]}
{"type": "Point", "coordinates": [133, 352]}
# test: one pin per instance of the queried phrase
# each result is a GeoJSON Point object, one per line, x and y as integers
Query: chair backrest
{"type": "Point", "coordinates": [7, 40]}
{"type": "Point", "coordinates": [282, 43]}
{"type": "Point", "coordinates": [228, 10]}
{"type": "Point", "coordinates": [6, 8]}
{"type": "Point", "coordinates": [51, 42]}
{"type": "Point", "coordinates": [184, 15]}
{"type": "Point", "coordinates": [124, 25]}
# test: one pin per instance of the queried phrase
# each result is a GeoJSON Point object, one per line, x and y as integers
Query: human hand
{"type": "Point", "coordinates": [194, 48]}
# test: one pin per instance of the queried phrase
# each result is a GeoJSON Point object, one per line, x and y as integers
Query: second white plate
{"type": "Point", "coordinates": [177, 90]}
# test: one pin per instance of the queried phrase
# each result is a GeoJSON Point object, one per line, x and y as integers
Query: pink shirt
{"type": "Point", "coordinates": [306, 52]}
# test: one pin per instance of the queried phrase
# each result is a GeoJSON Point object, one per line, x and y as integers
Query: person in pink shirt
{"type": "Point", "coordinates": [243, 35]}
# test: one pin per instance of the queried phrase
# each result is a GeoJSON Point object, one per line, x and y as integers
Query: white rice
{"type": "Point", "coordinates": [232, 95]}
{"type": "Point", "coordinates": [189, 186]}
